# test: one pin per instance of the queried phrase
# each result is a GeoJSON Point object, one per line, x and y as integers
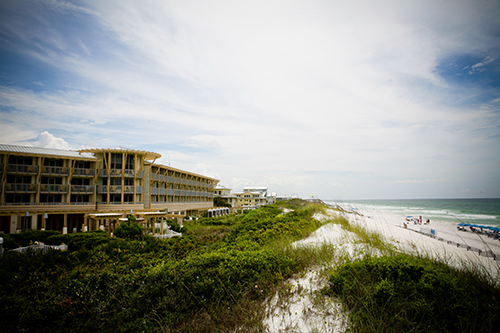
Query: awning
{"type": "Point", "coordinates": [104, 215]}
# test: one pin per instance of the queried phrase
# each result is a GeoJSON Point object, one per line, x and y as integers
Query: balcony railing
{"type": "Point", "coordinates": [54, 203]}
{"type": "Point", "coordinates": [51, 170]}
{"type": "Point", "coordinates": [88, 189]}
{"type": "Point", "coordinates": [129, 189]}
{"type": "Point", "coordinates": [22, 169]}
{"type": "Point", "coordinates": [52, 188]}
{"type": "Point", "coordinates": [160, 191]}
{"type": "Point", "coordinates": [81, 172]}
{"type": "Point", "coordinates": [21, 188]}
{"type": "Point", "coordinates": [102, 189]}
{"type": "Point", "coordinates": [127, 173]}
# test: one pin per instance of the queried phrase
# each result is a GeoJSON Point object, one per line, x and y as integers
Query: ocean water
{"type": "Point", "coordinates": [477, 211]}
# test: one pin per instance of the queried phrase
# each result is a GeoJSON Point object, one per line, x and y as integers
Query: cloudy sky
{"type": "Point", "coordinates": [336, 99]}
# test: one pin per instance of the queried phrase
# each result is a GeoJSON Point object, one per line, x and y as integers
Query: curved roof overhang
{"type": "Point", "coordinates": [148, 155]}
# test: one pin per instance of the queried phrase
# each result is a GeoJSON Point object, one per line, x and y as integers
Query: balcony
{"type": "Point", "coordinates": [82, 189]}
{"type": "Point", "coordinates": [22, 169]}
{"type": "Point", "coordinates": [80, 172]}
{"type": "Point", "coordinates": [102, 189]}
{"type": "Point", "coordinates": [116, 189]}
{"type": "Point", "coordinates": [58, 171]}
{"type": "Point", "coordinates": [21, 188]}
{"type": "Point", "coordinates": [160, 191]}
{"type": "Point", "coordinates": [52, 188]}
{"type": "Point", "coordinates": [127, 173]}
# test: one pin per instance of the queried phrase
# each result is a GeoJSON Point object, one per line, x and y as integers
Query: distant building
{"type": "Point", "coordinates": [225, 194]}
{"type": "Point", "coordinates": [254, 197]}
{"type": "Point", "coordinates": [88, 189]}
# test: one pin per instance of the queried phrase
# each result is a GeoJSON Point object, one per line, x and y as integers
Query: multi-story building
{"type": "Point", "coordinates": [225, 194]}
{"type": "Point", "coordinates": [251, 197]}
{"type": "Point", "coordinates": [74, 191]}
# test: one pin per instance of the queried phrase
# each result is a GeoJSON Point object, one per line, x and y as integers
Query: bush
{"type": "Point", "coordinates": [129, 229]}
{"type": "Point", "coordinates": [8, 242]}
{"type": "Point", "coordinates": [403, 293]}
{"type": "Point", "coordinates": [28, 237]}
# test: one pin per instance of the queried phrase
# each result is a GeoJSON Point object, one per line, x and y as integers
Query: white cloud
{"type": "Point", "coordinates": [289, 94]}
{"type": "Point", "coordinates": [47, 140]}
{"type": "Point", "coordinates": [420, 181]}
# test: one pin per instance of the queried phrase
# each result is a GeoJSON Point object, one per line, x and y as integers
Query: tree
{"type": "Point", "coordinates": [129, 229]}
{"type": "Point", "coordinates": [219, 202]}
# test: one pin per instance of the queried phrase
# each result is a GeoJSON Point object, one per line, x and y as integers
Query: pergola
{"type": "Point", "coordinates": [101, 221]}
{"type": "Point", "coordinates": [148, 216]}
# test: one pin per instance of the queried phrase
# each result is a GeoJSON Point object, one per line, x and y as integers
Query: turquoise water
{"type": "Point", "coordinates": [477, 211]}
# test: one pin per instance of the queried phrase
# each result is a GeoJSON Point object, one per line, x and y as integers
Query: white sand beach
{"type": "Point", "coordinates": [447, 244]}
{"type": "Point", "coordinates": [439, 239]}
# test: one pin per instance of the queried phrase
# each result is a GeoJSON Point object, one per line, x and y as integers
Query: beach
{"type": "Point", "coordinates": [438, 239]}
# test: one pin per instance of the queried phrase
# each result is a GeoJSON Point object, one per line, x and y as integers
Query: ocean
{"type": "Point", "coordinates": [476, 211]}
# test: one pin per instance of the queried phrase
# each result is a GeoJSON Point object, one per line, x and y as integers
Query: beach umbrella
{"type": "Point", "coordinates": [495, 228]}
{"type": "Point", "coordinates": [409, 216]}
{"type": "Point", "coordinates": [463, 224]}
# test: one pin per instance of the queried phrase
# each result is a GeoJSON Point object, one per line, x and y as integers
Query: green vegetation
{"type": "Point", "coordinates": [220, 276]}
{"type": "Point", "coordinates": [402, 293]}
{"type": "Point", "coordinates": [213, 279]}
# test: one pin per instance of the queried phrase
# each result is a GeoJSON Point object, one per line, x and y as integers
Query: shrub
{"type": "Point", "coordinates": [25, 238]}
{"type": "Point", "coordinates": [129, 229]}
{"type": "Point", "coordinates": [403, 293]}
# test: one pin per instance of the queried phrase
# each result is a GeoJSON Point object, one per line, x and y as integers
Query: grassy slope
{"type": "Point", "coordinates": [218, 276]}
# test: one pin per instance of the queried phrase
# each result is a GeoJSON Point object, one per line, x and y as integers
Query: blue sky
{"type": "Point", "coordinates": [337, 99]}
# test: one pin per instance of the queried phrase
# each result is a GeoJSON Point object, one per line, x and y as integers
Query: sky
{"type": "Point", "coordinates": [339, 100]}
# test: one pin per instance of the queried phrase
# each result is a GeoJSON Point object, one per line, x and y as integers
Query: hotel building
{"type": "Point", "coordinates": [89, 189]}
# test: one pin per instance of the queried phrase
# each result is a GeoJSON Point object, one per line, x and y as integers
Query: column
{"type": "Point", "coordinates": [65, 228]}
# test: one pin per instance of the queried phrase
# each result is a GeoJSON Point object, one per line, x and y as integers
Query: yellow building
{"type": "Point", "coordinates": [250, 198]}
{"type": "Point", "coordinates": [74, 191]}
{"type": "Point", "coordinates": [225, 194]}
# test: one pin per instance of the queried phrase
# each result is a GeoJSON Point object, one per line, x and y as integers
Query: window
{"type": "Point", "coordinates": [80, 181]}
{"type": "Point", "coordinates": [12, 179]}
{"type": "Point", "coordinates": [51, 180]}
{"type": "Point", "coordinates": [130, 162]}
{"type": "Point", "coordinates": [82, 165]}
{"type": "Point", "coordinates": [17, 198]}
{"type": "Point", "coordinates": [116, 161]}
{"type": "Point", "coordinates": [53, 162]}
{"type": "Point", "coordinates": [79, 198]}
{"type": "Point", "coordinates": [20, 160]}
{"type": "Point", "coordinates": [50, 198]}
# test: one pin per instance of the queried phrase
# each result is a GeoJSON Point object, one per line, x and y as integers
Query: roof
{"type": "Point", "coordinates": [221, 187]}
{"type": "Point", "coordinates": [45, 151]}
{"type": "Point", "coordinates": [180, 171]}
{"type": "Point", "coordinates": [255, 188]}
{"type": "Point", "coordinates": [149, 155]}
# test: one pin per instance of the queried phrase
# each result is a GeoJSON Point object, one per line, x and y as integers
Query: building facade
{"type": "Point", "coordinates": [73, 191]}
{"type": "Point", "coordinates": [225, 194]}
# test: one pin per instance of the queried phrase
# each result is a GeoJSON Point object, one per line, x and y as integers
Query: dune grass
{"type": "Point", "coordinates": [230, 274]}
